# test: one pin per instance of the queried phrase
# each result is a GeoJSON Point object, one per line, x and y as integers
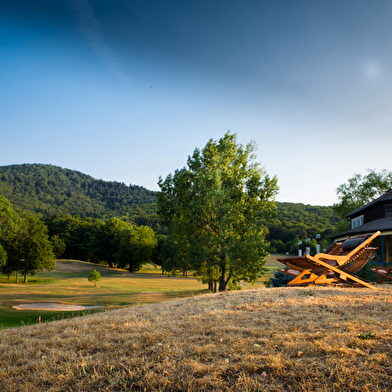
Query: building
{"type": "Point", "coordinates": [376, 215]}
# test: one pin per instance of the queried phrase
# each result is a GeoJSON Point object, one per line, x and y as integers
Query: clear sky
{"type": "Point", "coordinates": [125, 90]}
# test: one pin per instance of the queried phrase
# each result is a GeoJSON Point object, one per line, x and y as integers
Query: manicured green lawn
{"type": "Point", "coordinates": [118, 288]}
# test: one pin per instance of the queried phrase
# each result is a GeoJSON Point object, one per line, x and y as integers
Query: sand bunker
{"type": "Point", "coordinates": [53, 306]}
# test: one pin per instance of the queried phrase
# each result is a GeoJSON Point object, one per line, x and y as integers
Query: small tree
{"type": "Point", "coordinates": [95, 276]}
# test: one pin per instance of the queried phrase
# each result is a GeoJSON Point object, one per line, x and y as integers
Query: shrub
{"type": "Point", "coordinates": [280, 279]}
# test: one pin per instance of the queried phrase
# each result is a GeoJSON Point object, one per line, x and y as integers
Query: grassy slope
{"type": "Point", "coordinates": [281, 339]}
{"type": "Point", "coordinates": [69, 284]}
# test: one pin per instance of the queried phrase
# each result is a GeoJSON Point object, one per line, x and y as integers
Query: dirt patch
{"type": "Point", "coordinates": [54, 306]}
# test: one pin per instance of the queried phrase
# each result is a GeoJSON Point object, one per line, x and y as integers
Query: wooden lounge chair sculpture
{"type": "Point", "coordinates": [336, 266]}
{"type": "Point", "coordinates": [384, 272]}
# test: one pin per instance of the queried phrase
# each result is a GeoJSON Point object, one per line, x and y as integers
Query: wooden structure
{"type": "Point", "coordinates": [384, 272]}
{"type": "Point", "coordinates": [336, 266]}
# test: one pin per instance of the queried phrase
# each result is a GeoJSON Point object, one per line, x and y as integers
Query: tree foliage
{"type": "Point", "coordinates": [58, 245]}
{"type": "Point", "coordinates": [107, 240]}
{"type": "Point", "coordinates": [24, 241]}
{"type": "Point", "coordinates": [136, 247]}
{"type": "Point", "coordinates": [361, 189]}
{"type": "Point", "coordinates": [216, 208]}
{"type": "Point", "coordinates": [37, 251]}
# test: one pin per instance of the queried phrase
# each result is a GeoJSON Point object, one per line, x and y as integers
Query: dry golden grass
{"type": "Point", "coordinates": [281, 339]}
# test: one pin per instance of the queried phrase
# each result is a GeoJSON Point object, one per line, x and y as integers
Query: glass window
{"type": "Point", "coordinates": [358, 221]}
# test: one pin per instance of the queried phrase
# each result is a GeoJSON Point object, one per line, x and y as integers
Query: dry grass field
{"type": "Point", "coordinates": [277, 339]}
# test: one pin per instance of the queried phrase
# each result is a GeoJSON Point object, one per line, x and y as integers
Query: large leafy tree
{"type": "Point", "coordinates": [361, 189]}
{"type": "Point", "coordinates": [107, 240]}
{"type": "Point", "coordinates": [10, 224]}
{"type": "Point", "coordinates": [136, 247]}
{"type": "Point", "coordinates": [35, 248]}
{"type": "Point", "coordinates": [25, 244]}
{"type": "Point", "coordinates": [216, 208]}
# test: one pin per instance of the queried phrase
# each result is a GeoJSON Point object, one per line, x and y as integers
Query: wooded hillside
{"type": "Point", "coordinates": [49, 189]}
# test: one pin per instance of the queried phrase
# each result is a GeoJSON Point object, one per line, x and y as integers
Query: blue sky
{"type": "Point", "coordinates": [125, 90]}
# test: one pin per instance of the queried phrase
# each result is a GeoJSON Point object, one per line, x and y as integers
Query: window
{"type": "Point", "coordinates": [358, 221]}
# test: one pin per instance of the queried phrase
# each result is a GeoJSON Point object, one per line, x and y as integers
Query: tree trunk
{"type": "Point", "coordinates": [215, 287]}
{"type": "Point", "coordinates": [17, 276]}
{"type": "Point", "coordinates": [25, 278]}
{"type": "Point", "coordinates": [222, 279]}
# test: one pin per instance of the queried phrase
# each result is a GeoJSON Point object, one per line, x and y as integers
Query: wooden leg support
{"type": "Point", "coordinates": [305, 277]}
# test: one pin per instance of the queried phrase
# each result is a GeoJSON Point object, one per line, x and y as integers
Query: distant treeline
{"type": "Point", "coordinates": [113, 242]}
{"type": "Point", "coordinates": [52, 191]}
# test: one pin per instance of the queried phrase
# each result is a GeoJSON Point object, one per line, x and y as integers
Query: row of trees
{"type": "Point", "coordinates": [27, 245]}
{"type": "Point", "coordinates": [119, 244]}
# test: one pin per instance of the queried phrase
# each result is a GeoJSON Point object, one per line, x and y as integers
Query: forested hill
{"type": "Point", "coordinates": [49, 189]}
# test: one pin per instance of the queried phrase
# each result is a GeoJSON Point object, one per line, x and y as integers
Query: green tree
{"type": "Point", "coordinates": [216, 208]}
{"type": "Point", "coordinates": [25, 242]}
{"type": "Point", "coordinates": [10, 224]}
{"type": "Point", "coordinates": [58, 245]}
{"type": "Point", "coordinates": [78, 234]}
{"type": "Point", "coordinates": [36, 251]}
{"type": "Point", "coordinates": [136, 247]}
{"type": "Point", "coordinates": [277, 246]}
{"type": "Point", "coordinates": [173, 257]}
{"type": "Point", "coordinates": [360, 190]}
{"type": "Point", "coordinates": [107, 240]}
{"type": "Point", "coordinates": [94, 277]}
{"type": "Point", "coordinates": [3, 257]}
